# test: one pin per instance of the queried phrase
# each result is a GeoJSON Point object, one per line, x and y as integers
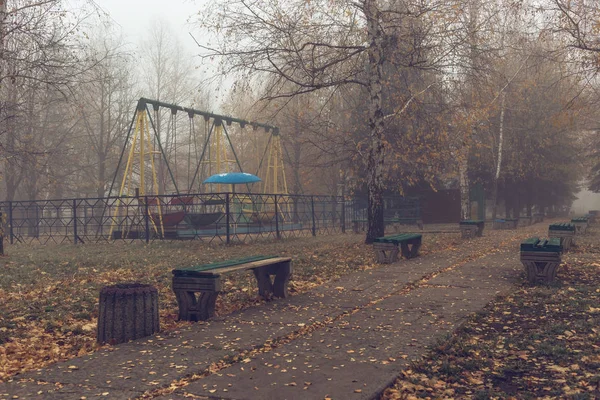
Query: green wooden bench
{"type": "Point", "coordinates": [581, 224]}
{"type": "Point", "coordinates": [386, 248]}
{"type": "Point", "coordinates": [511, 223]}
{"type": "Point", "coordinates": [471, 227]}
{"type": "Point", "coordinates": [206, 280]}
{"type": "Point", "coordinates": [564, 231]}
{"type": "Point", "coordinates": [525, 220]}
{"type": "Point", "coordinates": [541, 258]}
{"type": "Point", "coordinates": [360, 225]}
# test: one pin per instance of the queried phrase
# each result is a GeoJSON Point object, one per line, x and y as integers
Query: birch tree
{"type": "Point", "coordinates": [298, 47]}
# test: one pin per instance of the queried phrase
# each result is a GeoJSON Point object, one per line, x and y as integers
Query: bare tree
{"type": "Point", "coordinates": [38, 52]}
{"type": "Point", "coordinates": [303, 47]}
{"type": "Point", "coordinates": [168, 75]}
{"type": "Point", "coordinates": [103, 103]}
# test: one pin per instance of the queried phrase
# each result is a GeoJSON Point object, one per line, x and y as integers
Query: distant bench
{"type": "Point", "coordinates": [525, 220]}
{"type": "Point", "coordinates": [541, 258]}
{"type": "Point", "coordinates": [471, 227]}
{"type": "Point", "coordinates": [386, 248]}
{"type": "Point", "coordinates": [206, 280]}
{"type": "Point", "coordinates": [359, 225]}
{"type": "Point", "coordinates": [564, 232]}
{"type": "Point", "coordinates": [581, 224]}
{"type": "Point", "coordinates": [506, 223]}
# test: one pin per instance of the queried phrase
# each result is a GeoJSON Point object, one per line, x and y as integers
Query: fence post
{"type": "Point", "coordinates": [343, 215]}
{"type": "Point", "coordinates": [276, 217]}
{"type": "Point", "coordinates": [74, 221]}
{"type": "Point", "coordinates": [147, 219]}
{"type": "Point", "coordinates": [312, 207]}
{"type": "Point", "coordinates": [10, 222]}
{"type": "Point", "coordinates": [228, 238]}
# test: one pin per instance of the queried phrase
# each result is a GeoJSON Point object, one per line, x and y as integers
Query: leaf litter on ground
{"type": "Point", "coordinates": [541, 341]}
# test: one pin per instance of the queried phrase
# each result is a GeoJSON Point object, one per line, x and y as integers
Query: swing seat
{"type": "Point", "coordinates": [168, 219]}
{"type": "Point", "coordinates": [197, 221]}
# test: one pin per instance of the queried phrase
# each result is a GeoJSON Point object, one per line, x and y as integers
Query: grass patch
{"type": "Point", "coordinates": [49, 294]}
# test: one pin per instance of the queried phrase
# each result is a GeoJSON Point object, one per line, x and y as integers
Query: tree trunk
{"type": "Point", "coordinates": [463, 173]}
{"type": "Point", "coordinates": [375, 156]}
{"type": "Point", "coordinates": [499, 158]}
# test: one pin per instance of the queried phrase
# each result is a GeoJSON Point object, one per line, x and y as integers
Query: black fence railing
{"type": "Point", "coordinates": [224, 217]}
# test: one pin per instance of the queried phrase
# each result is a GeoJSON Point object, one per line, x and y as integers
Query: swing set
{"type": "Point", "coordinates": [146, 163]}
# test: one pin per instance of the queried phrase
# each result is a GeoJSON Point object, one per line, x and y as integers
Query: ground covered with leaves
{"type": "Point", "coordinates": [49, 294]}
{"type": "Point", "coordinates": [541, 342]}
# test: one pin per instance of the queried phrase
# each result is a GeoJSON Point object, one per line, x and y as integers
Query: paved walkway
{"type": "Point", "coordinates": [347, 339]}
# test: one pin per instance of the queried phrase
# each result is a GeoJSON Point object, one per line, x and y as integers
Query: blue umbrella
{"type": "Point", "coordinates": [232, 178]}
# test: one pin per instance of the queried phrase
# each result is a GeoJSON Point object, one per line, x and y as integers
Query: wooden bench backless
{"type": "Point", "coordinates": [563, 231]}
{"type": "Point", "coordinates": [471, 228]}
{"type": "Point", "coordinates": [581, 224]}
{"type": "Point", "coordinates": [541, 258]}
{"type": "Point", "coordinates": [206, 280]}
{"type": "Point", "coordinates": [386, 248]}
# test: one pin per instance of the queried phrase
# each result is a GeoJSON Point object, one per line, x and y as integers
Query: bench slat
{"type": "Point", "coordinates": [222, 268]}
{"type": "Point", "coordinates": [219, 264]}
{"type": "Point", "coordinates": [397, 238]}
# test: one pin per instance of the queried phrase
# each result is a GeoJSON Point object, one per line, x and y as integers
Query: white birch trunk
{"type": "Point", "coordinates": [375, 156]}
{"type": "Point", "coordinates": [463, 178]}
{"type": "Point", "coordinates": [499, 156]}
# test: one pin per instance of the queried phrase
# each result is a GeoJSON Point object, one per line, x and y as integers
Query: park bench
{"type": "Point", "coordinates": [360, 225]}
{"type": "Point", "coordinates": [386, 248]}
{"type": "Point", "coordinates": [541, 258]}
{"type": "Point", "coordinates": [206, 280]}
{"type": "Point", "coordinates": [563, 231]}
{"type": "Point", "coordinates": [524, 220]}
{"type": "Point", "coordinates": [471, 228]}
{"type": "Point", "coordinates": [581, 224]}
{"type": "Point", "coordinates": [505, 223]}
{"type": "Point", "coordinates": [593, 214]}
{"type": "Point", "coordinates": [591, 218]}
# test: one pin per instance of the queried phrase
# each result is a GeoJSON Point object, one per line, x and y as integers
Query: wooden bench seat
{"type": "Point", "coordinates": [564, 231]}
{"type": "Point", "coordinates": [541, 258]}
{"type": "Point", "coordinates": [360, 225]}
{"type": "Point", "coordinates": [386, 248]}
{"type": "Point", "coordinates": [206, 280]}
{"type": "Point", "coordinates": [471, 228]}
{"type": "Point", "coordinates": [581, 224]}
{"type": "Point", "coordinates": [525, 220]}
{"type": "Point", "coordinates": [505, 223]}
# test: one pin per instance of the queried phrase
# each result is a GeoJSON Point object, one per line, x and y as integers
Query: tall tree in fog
{"type": "Point", "coordinates": [103, 104]}
{"type": "Point", "coordinates": [307, 46]}
{"type": "Point", "coordinates": [168, 75]}
{"type": "Point", "coordinates": [38, 56]}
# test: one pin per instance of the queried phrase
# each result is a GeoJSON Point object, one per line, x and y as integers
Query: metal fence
{"type": "Point", "coordinates": [225, 217]}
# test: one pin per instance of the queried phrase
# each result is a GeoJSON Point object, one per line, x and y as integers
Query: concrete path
{"type": "Point", "coordinates": [347, 339]}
